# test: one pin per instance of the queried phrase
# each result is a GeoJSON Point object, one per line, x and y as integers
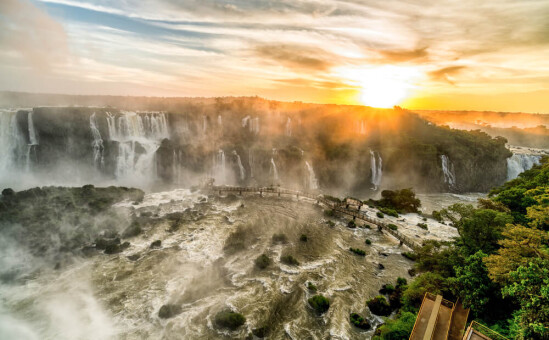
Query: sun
{"type": "Point", "coordinates": [383, 86]}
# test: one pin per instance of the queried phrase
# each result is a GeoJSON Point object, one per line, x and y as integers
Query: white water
{"type": "Point", "coordinates": [139, 137]}
{"type": "Point", "coordinates": [219, 120]}
{"type": "Point", "coordinates": [313, 181]}
{"type": "Point", "coordinates": [204, 124]}
{"type": "Point", "coordinates": [10, 140]}
{"type": "Point", "coordinates": [251, 162]}
{"type": "Point", "coordinates": [274, 170]}
{"type": "Point", "coordinates": [518, 163]}
{"type": "Point", "coordinates": [376, 166]}
{"type": "Point", "coordinates": [32, 133]}
{"type": "Point", "coordinates": [97, 143]}
{"type": "Point", "coordinates": [240, 167]}
{"type": "Point", "coordinates": [448, 170]}
{"type": "Point", "coordinates": [289, 127]}
{"type": "Point", "coordinates": [220, 168]}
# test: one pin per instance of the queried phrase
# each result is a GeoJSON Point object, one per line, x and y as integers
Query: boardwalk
{"type": "Point", "coordinates": [345, 208]}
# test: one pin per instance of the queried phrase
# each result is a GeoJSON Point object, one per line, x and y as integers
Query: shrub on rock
{"type": "Point", "coordinates": [311, 286]}
{"type": "Point", "coordinates": [358, 321]}
{"type": "Point", "coordinates": [379, 306]}
{"type": "Point", "coordinates": [280, 238]}
{"type": "Point", "coordinates": [263, 261]}
{"type": "Point", "coordinates": [289, 260]}
{"type": "Point", "coordinates": [319, 303]}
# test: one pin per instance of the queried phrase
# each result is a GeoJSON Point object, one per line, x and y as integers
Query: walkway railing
{"type": "Point", "coordinates": [340, 207]}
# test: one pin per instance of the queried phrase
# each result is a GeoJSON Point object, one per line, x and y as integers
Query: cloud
{"type": "Point", "coordinates": [444, 73]}
{"type": "Point", "coordinates": [28, 33]}
{"type": "Point", "coordinates": [295, 56]}
{"type": "Point", "coordinates": [397, 56]}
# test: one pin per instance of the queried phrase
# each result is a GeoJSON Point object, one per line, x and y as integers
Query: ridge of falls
{"type": "Point", "coordinates": [139, 137]}
{"type": "Point", "coordinates": [97, 143]}
{"type": "Point", "coordinates": [376, 167]}
{"type": "Point", "coordinates": [448, 171]}
{"type": "Point", "coordinates": [240, 166]}
{"type": "Point", "coordinates": [313, 181]}
{"type": "Point", "coordinates": [518, 163]}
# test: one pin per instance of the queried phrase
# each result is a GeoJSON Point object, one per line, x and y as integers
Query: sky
{"type": "Point", "coordinates": [431, 54]}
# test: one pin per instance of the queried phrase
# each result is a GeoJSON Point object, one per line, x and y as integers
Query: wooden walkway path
{"type": "Point", "coordinates": [344, 208]}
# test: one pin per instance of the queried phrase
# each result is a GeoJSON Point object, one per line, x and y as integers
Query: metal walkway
{"type": "Point", "coordinates": [340, 207]}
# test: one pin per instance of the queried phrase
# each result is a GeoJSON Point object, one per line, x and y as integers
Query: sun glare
{"type": "Point", "coordinates": [383, 86]}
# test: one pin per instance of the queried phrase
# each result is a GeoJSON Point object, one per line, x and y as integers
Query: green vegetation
{"type": "Point", "coordinates": [368, 241]}
{"type": "Point", "coordinates": [311, 287]}
{"type": "Point", "coordinates": [380, 214]}
{"type": "Point", "coordinates": [263, 261]}
{"type": "Point", "coordinates": [303, 238]}
{"type": "Point", "coordinates": [358, 321]}
{"type": "Point", "coordinates": [330, 223]}
{"type": "Point", "coordinates": [358, 251]}
{"type": "Point", "coordinates": [351, 224]}
{"type": "Point", "coordinates": [229, 319]}
{"type": "Point", "coordinates": [409, 255]}
{"type": "Point", "coordinates": [289, 260]}
{"type": "Point", "coordinates": [398, 201]}
{"type": "Point", "coordinates": [319, 303]}
{"type": "Point", "coordinates": [423, 226]}
{"type": "Point", "coordinates": [379, 306]}
{"type": "Point", "coordinates": [329, 213]}
{"type": "Point", "coordinates": [389, 211]}
{"type": "Point", "coordinates": [498, 266]}
{"type": "Point", "coordinates": [392, 226]}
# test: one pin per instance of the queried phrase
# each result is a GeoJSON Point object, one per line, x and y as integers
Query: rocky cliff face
{"type": "Point", "coordinates": [244, 143]}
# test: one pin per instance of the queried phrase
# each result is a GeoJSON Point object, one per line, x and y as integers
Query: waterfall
{"type": "Point", "coordinates": [174, 167]}
{"type": "Point", "coordinates": [204, 124]}
{"type": "Point", "coordinates": [274, 170]}
{"type": "Point", "coordinates": [376, 167]}
{"type": "Point", "coordinates": [220, 171]}
{"type": "Point", "coordinates": [245, 121]}
{"type": "Point", "coordinates": [32, 133]}
{"type": "Point", "coordinates": [97, 143]}
{"type": "Point", "coordinates": [362, 128]}
{"type": "Point", "coordinates": [255, 125]}
{"type": "Point", "coordinates": [219, 120]}
{"type": "Point", "coordinates": [448, 170]}
{"type": "Point", "coordinates": [313, 182]}
{"type": "Point", "coordinates": [33, 141]}
{"type": "Point", "coordinates": [11, 139]}
{"type": "Point", "coordinates": [139, 137]}
{"type": "Point", "coordinates": [289, 127]}
{"type": "Point", "coordinates": [518, 163]}
{"type": "Point", "coordinates": [240, 167]}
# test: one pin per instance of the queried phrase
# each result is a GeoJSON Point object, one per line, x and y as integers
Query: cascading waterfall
{"type": "Point", "coordinates": [97, 143]}
{"type": "Point", "coordinates": [245, 121]}
{"type": "Point", "coordinates": [240, 167]}
{"type": "Point", "coordinates": [289, 127]}
{"type": "Point", "coordinates": [33, 140]}
{"type": "Point", "coordinates": [448, 171]}
{"type": "Point", "coordinates": [518, 163]}
{"type": "Point", "coordinates": [219, 120]}
{"type": "Point", "coordinates": [255, 125]}
{"type": "Point", "coordinates": [220, 170]}
{"type": "Point", "coordinates": [204, 124]}
{"type": "Point", "coordinates": [139, 137]}
{"type": "Point", "coordinates": [313, 181]}
{"type": "Point", "coordinates": [274, 170]}
{"type": "Point", "coordinates": [376, 166]}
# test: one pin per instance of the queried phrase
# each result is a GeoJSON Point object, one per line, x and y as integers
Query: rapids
{"type": "Point", "coordinates": [206, 264]}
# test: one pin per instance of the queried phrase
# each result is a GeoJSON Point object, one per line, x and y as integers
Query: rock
{"type": "Point", "coordinates": [103, 243]}
{"type": "Point", "coordinates": [156, 244]}
{"type": "Point", "coordinates": [116, 248]}
{"type": "Point", "coordinates": [133, 230]}
{"type": "Point", "coordinates": [134, 257]}
{"type": "Point", "coordinates": [229, 319]}
{"type": "Point", "coordinates": [380, 266]}
{"type": "Point", "coordinates": [412, 272]}
{"type": "Point", "coordinates": [260, 332]}
{"type": "Point", "coordinates": [358, 321]}
{"type": "Point", "coordinates": [169, 311]}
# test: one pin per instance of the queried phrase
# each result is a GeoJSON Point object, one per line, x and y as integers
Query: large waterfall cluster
{"type": "Point", "coordinates": [16, 147]}
{"type": "Point", "coordinates": [139, 136]}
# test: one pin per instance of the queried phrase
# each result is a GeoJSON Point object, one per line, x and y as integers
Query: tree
{"type": "Point", "coordinates": [530, 286]}
{"type": "Point", "coordinates": [473, 285]}
{"type": "Point", "coordinates": [519, 245]}
{"type": "Point", "coordinates": [482, 230]}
